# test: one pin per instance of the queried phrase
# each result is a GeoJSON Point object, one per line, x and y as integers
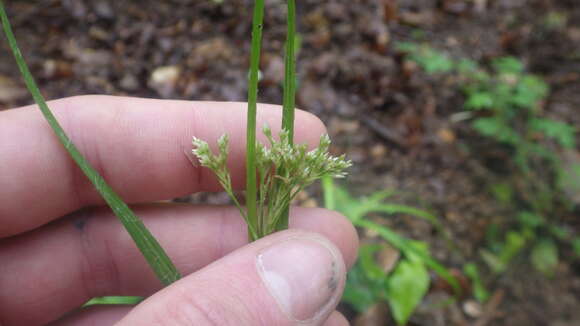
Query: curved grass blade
{"type": "Point", "coordinates": [150, 248]}
{"type": "Point", "coordinates": [251, 187]}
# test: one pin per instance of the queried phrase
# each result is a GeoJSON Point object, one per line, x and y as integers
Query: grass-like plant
{"type": "Point", "coordinates": [278, 172]}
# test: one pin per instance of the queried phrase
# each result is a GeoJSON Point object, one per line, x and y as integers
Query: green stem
{"type": "Point", "coordinates": [289, 90]}
{"type": "Point", "coordinates": [290, 72]}
{"type": "Point", "coordinates": [150, 248]}
{"type": "Point", "coordinates": [251, 189]}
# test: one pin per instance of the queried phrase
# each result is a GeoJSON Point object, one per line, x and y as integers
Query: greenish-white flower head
{"type": "Point", "coordinates": [283, 170]}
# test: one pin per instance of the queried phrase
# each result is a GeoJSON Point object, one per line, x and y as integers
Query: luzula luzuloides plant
{"type": "Point", "coordinates": [283, 170]}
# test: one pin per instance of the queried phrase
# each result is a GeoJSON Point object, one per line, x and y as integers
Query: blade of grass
{"type": "Point", "coordinates": [290, 72]}
{"type": "Point", "coordinates": [289, 90]}
{"type": "Point", "coordinates": [251, 187]}
{"type": "Point", "coordinates": [150, 248]}
{"type": "Point", "coordinates": [114, 300]}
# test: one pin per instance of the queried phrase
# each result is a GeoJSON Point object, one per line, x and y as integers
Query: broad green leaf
{"type": "Point", "coordinates": [436, 62]}
{"type": "Point", "coordinates": [530, 220]}
{"type": "Point", "coordinates": [466, 66]}
{"type": "Point", "coordinates": [503, 192]}
{"type": "Point", "coordinates": [545, 257]}
{"type": "Point", "coordinates": [529, 90]}
{"type": "Point", "coordinates": [509, 65]}
{"type": "Point", "coordinates": [488, 126]}
{"type": "Point", "coordinates": [431, 60]}
{"type": "Point", "coordinates": [562, 132]}
{"type": "Point", "coordinates": [515, 242]}
{"type": "Point", "coordinates": [479, 100]}
{"type": "Point", "coordinates": [406, 287]}
{"type": "Point", "coordinates": [494, 128]}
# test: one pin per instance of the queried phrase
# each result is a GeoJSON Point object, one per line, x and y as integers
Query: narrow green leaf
{"type": "Point", "coordinates": [289, 96]}
{"type": "Point", "coordinates": [114, 300]}
{"type": "Point", "coordinates": [150, 248]}
{"type": "Point", "coordinates": [251, 187]}
{"type": "Point", "coordinates": [290, 72]}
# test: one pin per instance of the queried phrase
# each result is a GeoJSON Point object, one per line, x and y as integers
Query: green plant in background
{"type": "Point", "coordinates": [503, 104]}
{"type": "Point", "coordinates": [431, 60]}
{"type": "Point", "coordinates": [404, 284]}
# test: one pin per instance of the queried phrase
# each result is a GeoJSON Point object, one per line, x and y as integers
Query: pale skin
{"type": "Point", "coordinates": [59, 247]}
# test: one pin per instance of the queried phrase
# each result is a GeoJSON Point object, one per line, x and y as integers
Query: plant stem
{"type": "Point", "coordinates": [289, 90]}
{"type": "Point", "coordinates": [150, 248]}
{"type": "Point", "coordinates": [290, 72]}
{"type": "Point", "coordinates": [251, 188]}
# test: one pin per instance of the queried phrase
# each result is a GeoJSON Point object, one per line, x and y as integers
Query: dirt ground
{"type": "Point", "coordinates": [392, 120]}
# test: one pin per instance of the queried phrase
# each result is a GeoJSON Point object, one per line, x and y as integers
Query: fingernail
{"type": "Point", "coordinates": [305, 275]}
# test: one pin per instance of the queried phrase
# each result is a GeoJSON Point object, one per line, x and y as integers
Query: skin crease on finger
{"type": "Point", "coordinates": [110, 265]}
{"type": "Point", "coordinates": [137, 145]}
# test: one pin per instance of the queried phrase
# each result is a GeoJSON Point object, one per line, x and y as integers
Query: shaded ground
{"type": "Point", "coordinates": [390, 119]}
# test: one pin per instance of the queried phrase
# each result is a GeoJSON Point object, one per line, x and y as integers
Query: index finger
{"type": "Point", "coordinates": [137, 145]}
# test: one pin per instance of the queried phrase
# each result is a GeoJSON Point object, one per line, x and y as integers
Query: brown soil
{"type": "Point", "coordinates": [391, 119]}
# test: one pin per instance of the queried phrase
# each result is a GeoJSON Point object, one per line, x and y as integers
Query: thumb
{"type": "Point", "coordinates": [288, 278]}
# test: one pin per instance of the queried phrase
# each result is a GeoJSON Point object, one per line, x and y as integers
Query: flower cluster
{"type": "Point", "coordinates": [283, 170]}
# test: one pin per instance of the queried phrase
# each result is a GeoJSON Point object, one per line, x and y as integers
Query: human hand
{"type": "Point", "coordinates": [58, 249]}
